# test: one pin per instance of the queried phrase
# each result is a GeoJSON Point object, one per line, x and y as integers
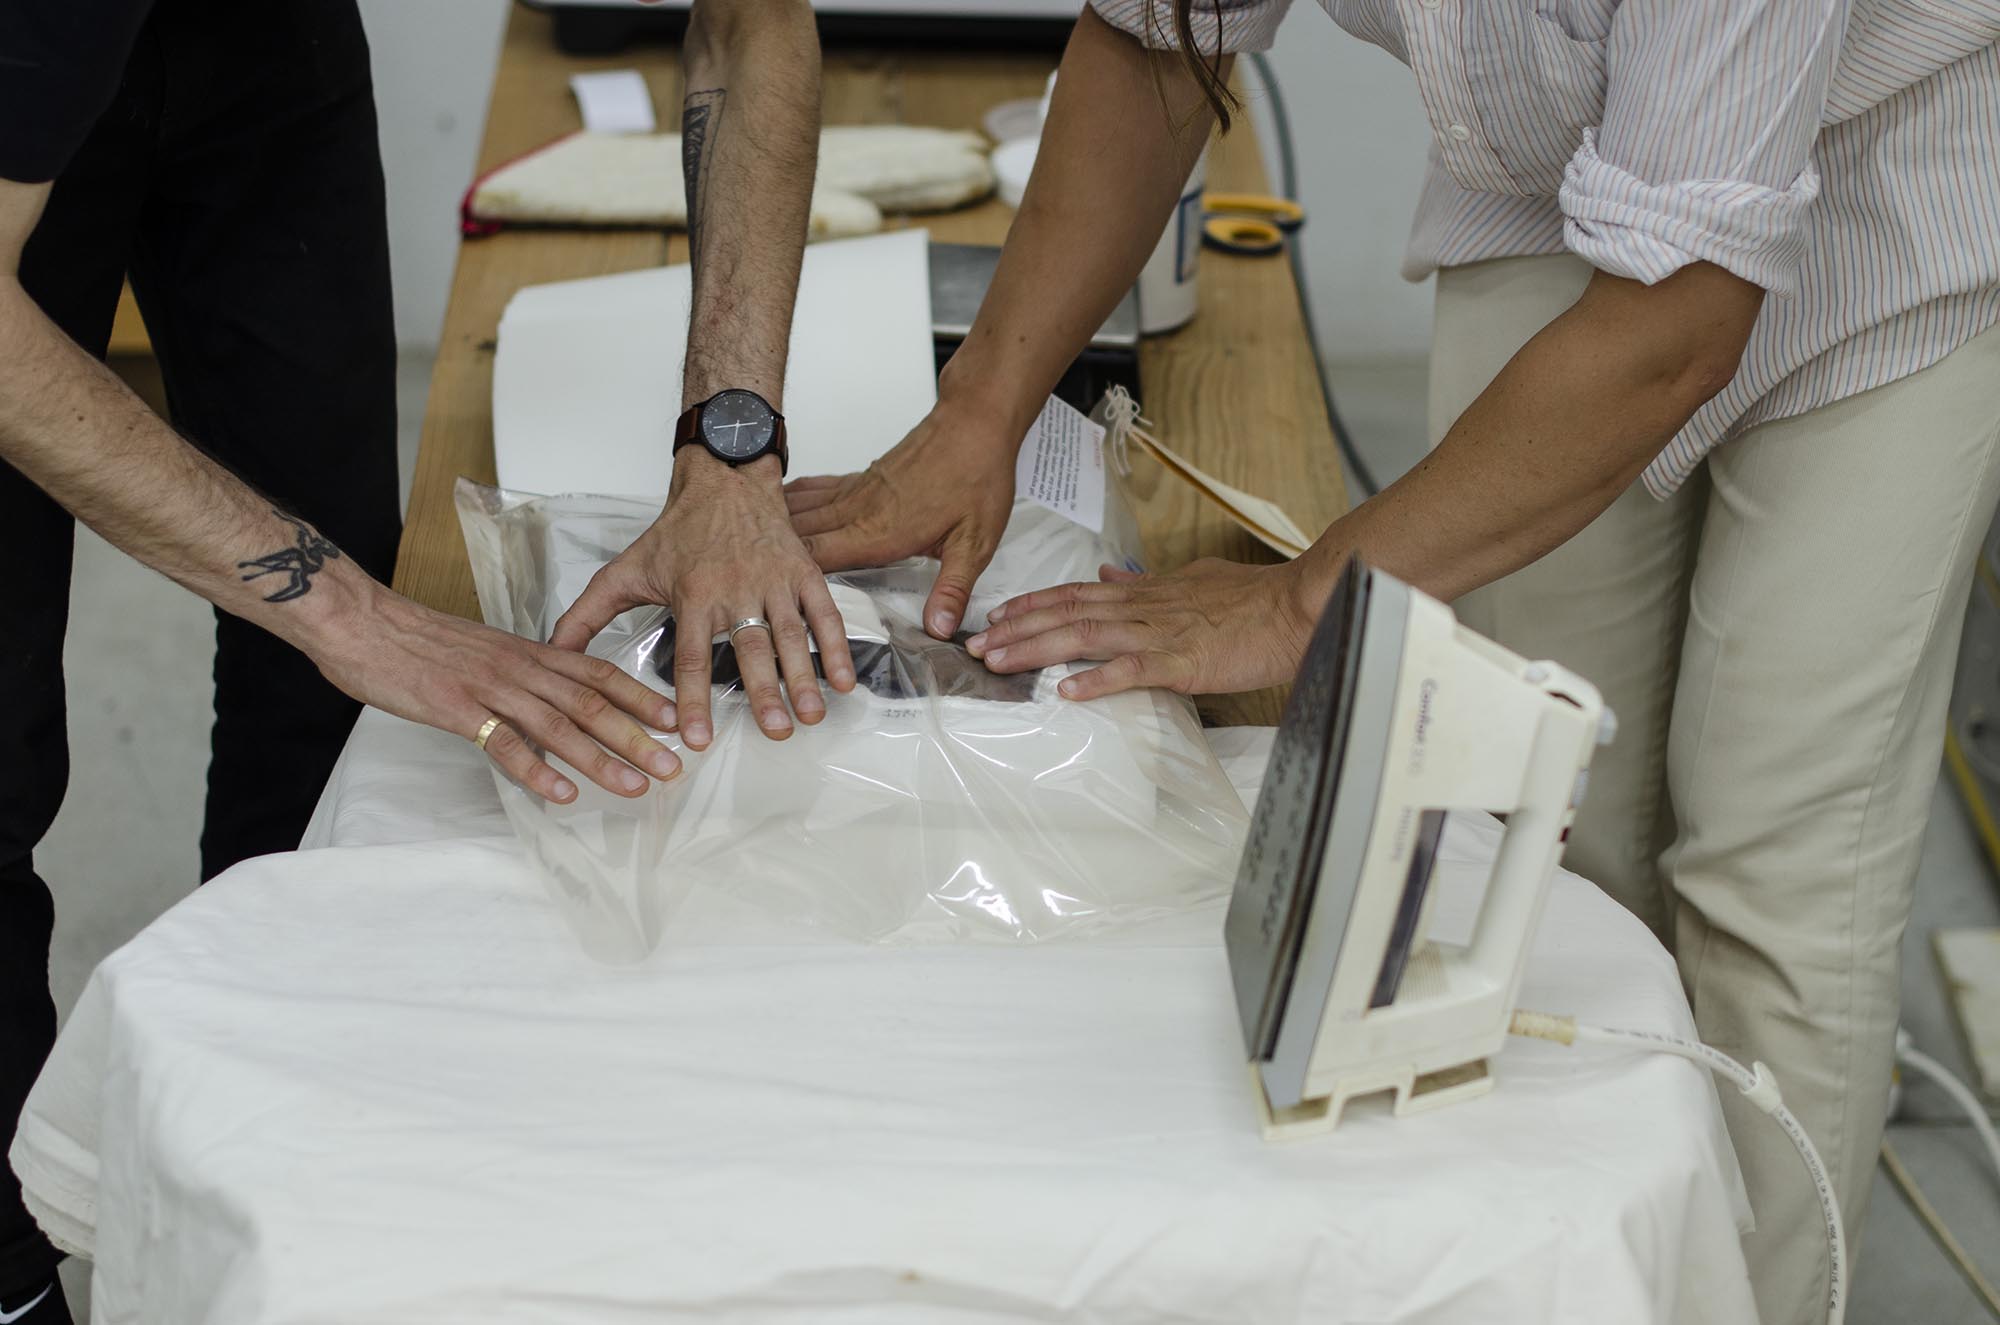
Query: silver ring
{"type": "Point", "coordinates": [749, 623]}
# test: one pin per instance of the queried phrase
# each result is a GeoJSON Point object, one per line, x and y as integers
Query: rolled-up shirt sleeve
{"type": "Point", "coordinates": [1226, 27]}
{"type": "Point", "coordinates": [1705, 151]}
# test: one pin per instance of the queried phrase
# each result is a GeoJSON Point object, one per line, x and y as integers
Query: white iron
{"type": "Point", "coordinates": [1399, 715]}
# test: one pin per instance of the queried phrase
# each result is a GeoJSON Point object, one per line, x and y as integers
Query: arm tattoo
{"type": "Point", "coordinates": [299, 563]}
{"type": "Point", "coordinates": [701, 117]}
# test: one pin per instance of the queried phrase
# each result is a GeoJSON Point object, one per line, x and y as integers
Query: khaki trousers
{"type": "Point", "coordinates": [1778, 641]}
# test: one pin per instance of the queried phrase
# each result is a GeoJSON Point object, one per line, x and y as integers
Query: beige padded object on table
{"type": "Point", "coordinates": [635, 179]}
{"type": "Point", "coordinates": [903, 168]}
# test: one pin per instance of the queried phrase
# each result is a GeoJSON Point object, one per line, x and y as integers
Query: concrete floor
{"type": "Point", "coordinates": [124, 849]}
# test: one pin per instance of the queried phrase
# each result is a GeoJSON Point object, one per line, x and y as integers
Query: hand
{"type": "Point", "coordinates": [723, 550]}
{"type": "Point", "coordinates": [454, 674]}
{"type": "Point", "coordinates": [945, 491]}
{"type": "Point", "coordinates": [1211, 626]}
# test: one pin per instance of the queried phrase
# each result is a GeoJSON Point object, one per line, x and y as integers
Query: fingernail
{"type": "Point", "coordinates": [997, 656]}
{"type": "Point", "coordinates": [565, 789]}
{"type": "Point", "coordinates": [631, 779]}
{"type": "Point", "coordinates": [810, 705]}
{"type": "Point", "coordinates": [669, 715]}
{"type": "Point", "coordinates": [998, 614]}
{"type": "Point", "coordinates": [665, 764]}
{"type": "Point", "coordinates": [1067, 689]}
{"type": "Point", "coordinates": [941, 623]}
{"type": "Point", "coordinates": [697, 733]}
{"type": "Point", "coordinates": [843, 676]}
{"type": "Point", "coordinates": [775, 720]}
{"type": "Point", "coordinates": [976, 643]}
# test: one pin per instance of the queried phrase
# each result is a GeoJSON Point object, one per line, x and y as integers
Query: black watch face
{"type": "Point", "coordinates": [737, 425]}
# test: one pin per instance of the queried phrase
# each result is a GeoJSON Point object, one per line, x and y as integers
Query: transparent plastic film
{"type": "Point", "coordinates": [937, 802]}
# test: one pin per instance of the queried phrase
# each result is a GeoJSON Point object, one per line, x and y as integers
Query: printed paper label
{"type": "Point", "coordinates": [1061, 466]}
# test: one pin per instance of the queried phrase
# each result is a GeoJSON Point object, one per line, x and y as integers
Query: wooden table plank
{"type": "Point", "coordinates": [1234, 391]}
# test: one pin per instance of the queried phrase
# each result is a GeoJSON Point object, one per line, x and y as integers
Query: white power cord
{"type": "Point", "coordinates": [1757, 1085]}
{"type": "Point", "coordinates": [1908, 1054]}
{"type": "Point", "coordinates": [1961, 1094]}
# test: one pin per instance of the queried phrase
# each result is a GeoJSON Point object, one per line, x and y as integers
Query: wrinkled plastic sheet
{"type": "Point", "coordinates": [938, 802]}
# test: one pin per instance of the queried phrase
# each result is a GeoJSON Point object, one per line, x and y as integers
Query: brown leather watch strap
{"type": "Point", "coordinates": [685, 426]}
{"type": "Point", "coordinates": [780, 444]}
{"type": "Point", "coordinates": [687, 432]}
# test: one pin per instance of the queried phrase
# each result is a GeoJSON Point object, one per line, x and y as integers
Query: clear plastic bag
{"type": "Point", "coordinates": [937, 802]}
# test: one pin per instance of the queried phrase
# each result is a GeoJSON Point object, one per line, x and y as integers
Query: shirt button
{"type": "Point", "coordinates": [1459, 133]}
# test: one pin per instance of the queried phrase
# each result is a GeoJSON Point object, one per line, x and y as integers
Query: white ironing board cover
{"type": "Point", "coordinates": [375, 1081]}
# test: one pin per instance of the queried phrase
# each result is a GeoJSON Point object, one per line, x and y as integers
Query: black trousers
{"type": "Point", "coordinates": [238, 180]}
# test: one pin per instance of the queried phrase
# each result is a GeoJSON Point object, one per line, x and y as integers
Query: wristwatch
{"type": "Point", "coordinates": [734, 426]}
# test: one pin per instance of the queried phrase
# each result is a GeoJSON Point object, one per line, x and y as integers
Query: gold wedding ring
{"type": "Point", "coordinates": [486, 730]}
{"type": "Point", "coordinates": [749, 623]}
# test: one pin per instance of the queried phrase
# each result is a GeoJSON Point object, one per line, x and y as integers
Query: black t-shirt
{"type": "Point", "coordinates": [60, 62]}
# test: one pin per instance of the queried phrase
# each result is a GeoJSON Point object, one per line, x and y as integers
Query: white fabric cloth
{"type": "Point", "coordinates": [379, 1083]}
{"type": "Point", "coordinates": [1842, 154]}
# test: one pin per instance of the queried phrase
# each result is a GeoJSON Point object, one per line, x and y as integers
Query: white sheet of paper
{"type": "Point", "coordinates": [587, 379]}
{"type": "Point", "coordinates": [1061, 465]}
{"type": "Point", "coordinates": [615, 101]}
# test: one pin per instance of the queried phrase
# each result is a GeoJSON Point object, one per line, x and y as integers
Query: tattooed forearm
{"type": "Point", "coordinates": [298, 563]}
{"type": "Point", "coordinates": [701, 117]}
{"type": "Point", "coordinates": [748, 157]}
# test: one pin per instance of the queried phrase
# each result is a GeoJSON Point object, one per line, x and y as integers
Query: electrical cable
{"type": "Point", "coordinates": [1961, 1094]}
{"type": "Point", "coordinates": [1288, 175]}
{"type": "Point", "coordinates": [1757, 1085]}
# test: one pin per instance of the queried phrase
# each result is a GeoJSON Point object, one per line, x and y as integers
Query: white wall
{"type": "Point", "coordinates": [434, 62]}
{"type": "Point", "coordinates": [1361, 139]}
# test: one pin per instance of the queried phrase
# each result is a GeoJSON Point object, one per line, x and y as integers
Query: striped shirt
{"type": "Point", "coordinates": [1842, 154]}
